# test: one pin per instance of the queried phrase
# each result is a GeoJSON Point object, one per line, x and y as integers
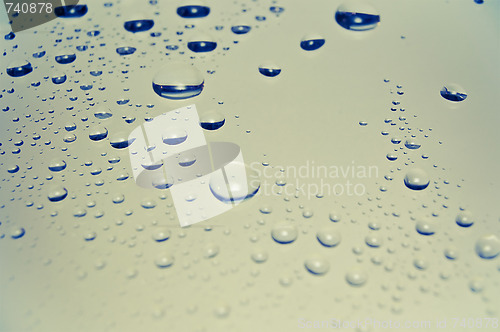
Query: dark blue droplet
{"type": "Point", "coordinates": [202, 46]}
{"type": "Point", "coordinates": [71, 11]}
{"type": "Point", "coordinates": [193, 11]}
{"type": "Point", "coordinates": [138, 25]}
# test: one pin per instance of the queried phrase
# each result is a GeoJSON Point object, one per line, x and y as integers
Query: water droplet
{"type": "Point", "coordinates": [164, 260]}
{"type": "Point", "coordinates": [11, 35]}
{"type": "Point", "coordinates": [174, 136]}
{"type": "Point", "coordinates": [121, 140]}
{"type": "Point", "coordinates": [138, 25]}
{"type": "Point", "coordinates": [222, 311]}
{"type": "Point", "coordinates": [119, 198]}
{"type": "Point", "coordinates": [464, 219]}
{"type": "Point", "coordinates": [193, 11]}
{"type": "Point", "coordinates": [451, 253]}
{"type": "Point", "coordinates": [356, 277]}
{"type": "Point", "coordinates": [13, 169]}
{"type": "Point", "coordinates": [69, 138]}
{"type": "Point", "coordinates": [163, 182]}
{"type": "Point", "coordinates": [186, 159]}
{"type": "Point", "coordinates": [57, 165]}
{"type": "Point", "coordinates": [240, 29]}
{"type": "Point", "coordinates": [102, 113]}
{"type": "Point", "coordinates": [426, 227]}
{"type": "Point", "coordinates": [269, 70]}
{"type": "Point", "coordinates": [71, 11]}
{"type": "Point", "coordinates": [212, 120]}
{"type": "Point", "coordinates": [357, 16]}
{"type": "Point", "coordinates": [284, 232]}
{"type": "Point", "coordinates": [161, 234]}
{"type": "Point", "coordinates": [237, 182]}
{"type": "Point", "coordinates": [17, 233]}
{"type": "Point", "coordinates": [373, 240]}
{"type": "Point", "coordinates": [328, 237]}
{"type": "Point", "coordinates": [38, 55]}
{"type": "Point", "coordinates": [64, 59]}
{"type": "Point", "coordinates": [317, 265]}
{"type": "Point", "coordinates": [125, 50]}
{"type": "Point", "coordinates": [211, 250]}
{"type": "Point", "coordinates": [416, 179]}
{"type": "Point", "coordinates": [420, 263]}
{"type": "Point", "coordinates": [476, 285]}
{"type": "Point", "coordinates": [178, 81]}
{"type": "Point", "coordinates": [453, 92]}
{"type": "Point", "coordinates": [334, 216]}
{"type": "Point", "coordinates": [202, 44]}
{"type": "Point", "coordinates": [98, 133]}
{"type": "Point", "coordinates": [259, 256]}
{"type": "Point", "coordinates": [488, 246]}
{"type": "Point", "coordinates": [90, 236]}
{"type": "Point", "coordinates": [59, 78]}
{"type": "Point", "coordinates": [312, 42]}
{"type": "Point", "coordinates": [412, 144]}
{"type": "Point", "coordinates": [57, 193]}
{"type": "Point", "coordinates": [19, 68]}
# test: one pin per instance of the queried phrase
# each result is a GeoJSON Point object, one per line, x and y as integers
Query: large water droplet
{"type": "Point", "coordinates": [357, 16]}
{"type": "Point", "coordinates": [488, 246]}
{"type": "Point", "coordinates": [19, 68]}
{"type": "Point", "coordinates": [464, 219]}
{"type": "Point", "coordinates": [236, 183]}
{"type": "Point", "coordinates": [269, 70]}
{"type": "Point", "coordinates": [453, 92]}
{"type": "Point", "coordinates": [121, 140]}
{"type": "Point", "coordinates": [212, 120]}
{"type": "Point", "coordinates": [178, 81]}
{"type": "Point", "coordinates": [416, 179]}
{"type": "Point", "coordinates": [57, 193]}
{"type": "Point", "coordinates": [284, 232]}
{"type": "Point", "coordinates": [412, 144]}
{"type": "Point", "coordinates": [193, 11]}
{"type": "Point", "coordinates": [317, 265]}
{"type": "Point", "coordinates": [328, 237]}
{"type": "Point", "coordinates": [356, 277]}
